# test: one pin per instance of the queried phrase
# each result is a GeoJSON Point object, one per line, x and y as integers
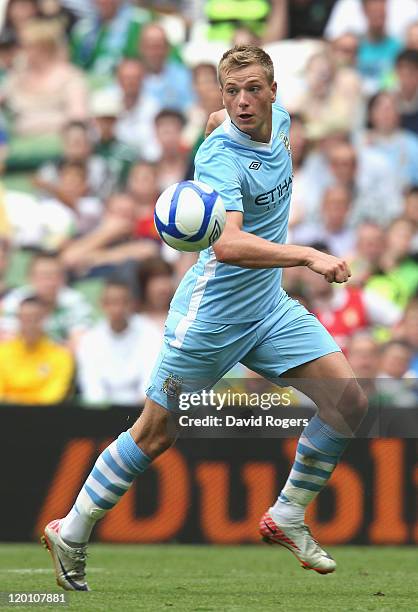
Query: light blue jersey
{"type": "Point", "coordinates": [256, 179]}
{"type": "Point", "coordinates": [223, 314]}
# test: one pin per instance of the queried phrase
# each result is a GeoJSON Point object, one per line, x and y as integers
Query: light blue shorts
{"type": "Point", "coordinates": [196, 354]}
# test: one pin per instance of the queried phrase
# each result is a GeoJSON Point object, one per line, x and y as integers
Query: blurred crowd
{"type": "Point", "coordinates": [103, 104]}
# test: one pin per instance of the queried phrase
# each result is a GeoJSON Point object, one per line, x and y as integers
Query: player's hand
{"type": "Point", "coordinates": [334, 269]}
{"type": "Point", "coordinates": [214, 121]}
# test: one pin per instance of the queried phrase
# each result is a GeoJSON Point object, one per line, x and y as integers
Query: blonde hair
{"type": "Point", "coordinates": [45, 33]}
{"type": "Point", "coordinates": [241, 56]}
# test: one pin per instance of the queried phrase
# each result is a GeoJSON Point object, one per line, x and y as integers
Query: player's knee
{"type": "Point", "coordinates": [360, 401]}
{"type": "Point", "coordinates": [154, 430]}
{"type": "Point", "coordinates": [154, 446]}
{"type": "Point", "coordinates": [355, 405]}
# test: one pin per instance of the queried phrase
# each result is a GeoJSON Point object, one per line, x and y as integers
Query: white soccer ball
{"type": "Point", "coordinates": [190, 216]}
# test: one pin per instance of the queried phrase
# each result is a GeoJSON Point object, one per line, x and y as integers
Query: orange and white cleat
{"type": "Point", "coordinates": [298, 539]}
{"type": "Point", "coordinates": [69, 562]}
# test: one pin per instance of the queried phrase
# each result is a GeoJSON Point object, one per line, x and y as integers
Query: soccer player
{"type": "Point", "coordinates": [230, 308]}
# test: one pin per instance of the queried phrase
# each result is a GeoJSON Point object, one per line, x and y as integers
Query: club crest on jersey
{"type": "Point", "coordinates": [283, 137]}
{"type": "Point", "coordinates": [172, 385]}
{"type": "Point", "coordinates": [255, 165]}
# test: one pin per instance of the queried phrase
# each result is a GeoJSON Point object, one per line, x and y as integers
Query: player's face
{"type": "Point", "coordinates": [248, 96]}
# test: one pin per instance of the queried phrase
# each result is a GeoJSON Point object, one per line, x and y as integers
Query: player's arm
{"type": "Point", "coordinates": [239, 248]}
{"type": "Point", "coordinates": [215, 119]}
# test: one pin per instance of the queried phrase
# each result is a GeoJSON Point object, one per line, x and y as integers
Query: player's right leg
{"type": "Point", "coordinates": [112, 475]}
{"type": "Point", "coordinates": [195, 355]}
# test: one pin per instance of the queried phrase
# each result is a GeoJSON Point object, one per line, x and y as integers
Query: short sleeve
{"type": "Point", "coordinates": [215, 167]}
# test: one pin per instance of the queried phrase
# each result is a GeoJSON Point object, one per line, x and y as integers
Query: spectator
{"type": "Point", "coordinates": [172, 165]}
{"type": "Point", "coordinates": [4, 144]}
{"type": "Point", "coordinates": [209, 100]}
{"type": "Point", "coordinates": [407, 93]}
{"type": "Point", "coordinates": [143, 186]}
{"type": "Point", "coordinates": [350, 16]}
{"type": "Point", "coordinates": [118, 156]}
{"type": "Point", "coordinates": [297, 19]}
{"type": "Point", "coordinates": [68, 314]}
{"type": "Point", "coordinates": [56, 220]}
{"type": "Point", "coordinates": [100, 41]}
{"type": "Point", "coordinates": [331, 92]}
{"type": "Point", "coordinates": [395, 358]}
{"type": "Point", "coordinates": [399, 236]}
{"type": "Point", "coordinates": [226, 16]}
{"type": "Point", "coordinates": [346, 310]}
{"type": "Point", "coordinates": [385, 135]}
{"type": "Point", "coordinates": [73, 210]}
{"type": "Point", "coordinates": [245, 36]}
{"type": "Point", "coordinates": [345, 50]}
{"type": "Point", "coordinates": [397, 385]}
{"type": "Point", "coordinates": [366, 174]}
{"type": "Point", "coordinates": [8, 50]}
{"type": "Point", "coordinates": [156, 288]}
{"type": "Point", "coordinates": [411, 214]}
{"type": "Point", "coordinates": [408, 331]}
{"type": "Point", "coordinates": [33, 369]}
{"type": "Point", "coordinates": [363, 355]}
{"type": "Point", "coordinates": [370, 179]}
{"type": "Point", "coordinates": [411, 37]}
{"type": "Point", "coordinates": [397, 278]}
{"type": "Point", "coordinates": [104, 372]}
{"type": "Point", "coordinates": [62, 11]}
{"type": "Point", "coordinates": [300, 187]}
{"type": "Point", "coordinates": [4, 263]}
{"type": "Point", "coordinates": [43, 92]}
{"type": "Point", "coordinates": [167, 81]}
{"type": "Point", "coordinates": [79, 8]}
{"type": "Point", "coordinates": [333, 230]}
{"type": "Point", "coordinates": [112, 243]}
{"type": "Point", "coordinates": [19, 13]}
{"type": "Point", "coordinates": [378, 50]}
{"type": "Point", "coordinates": [369, 249]}
{"type": "Point", "coordinates": [135, 123]}
{"type": "Point", "coordinates": [5, 225]}
{"type": "Point", "coordinates": [78, 148]}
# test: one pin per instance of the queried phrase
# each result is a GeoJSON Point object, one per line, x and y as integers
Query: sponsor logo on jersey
{"type": "Point", "coordinates": [276, 194]}
{"type": "Point", "coordinates": [255, 165]}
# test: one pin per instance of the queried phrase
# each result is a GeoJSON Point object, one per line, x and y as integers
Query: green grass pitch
{"type": "Point", "coordinates": [221, 579]}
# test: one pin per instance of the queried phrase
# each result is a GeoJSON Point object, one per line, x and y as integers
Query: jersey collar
{"type": "Point", "coordinates": [244, 139]}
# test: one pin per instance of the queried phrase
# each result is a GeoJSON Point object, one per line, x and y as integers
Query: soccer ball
{"type": "Point", "coordinates": [190, 216]}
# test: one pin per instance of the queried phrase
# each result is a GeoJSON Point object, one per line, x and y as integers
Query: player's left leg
{"type": "Point", "coordinates": [293, 344]}
{"type": "Point", "coordinates": [330, 383]}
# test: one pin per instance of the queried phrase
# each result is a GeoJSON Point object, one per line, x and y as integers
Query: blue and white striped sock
{"type": "Point", "coordinates": [112, 475]}
{"type": "Point", "coordinates": [318, 452]}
